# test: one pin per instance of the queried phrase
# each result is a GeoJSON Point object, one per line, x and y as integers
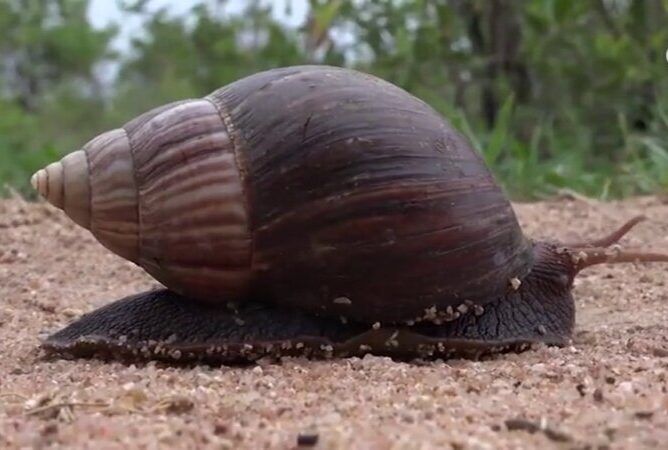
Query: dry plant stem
{"type": "Point", "coordinates": [44, 408]}
{"type": "Point", "coordinates": [610, 239]}
{"type": "Point", "coordinates": [13, 394]}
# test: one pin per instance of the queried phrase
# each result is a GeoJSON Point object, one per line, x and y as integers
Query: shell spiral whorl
{"type": "Point", "coordinates": [163, 192]}
{"type": "Point", "coordinates": [65, 184]}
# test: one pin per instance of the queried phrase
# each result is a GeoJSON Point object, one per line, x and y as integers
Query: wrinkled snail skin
{"type": "Point", "coordinates": [312, 209]}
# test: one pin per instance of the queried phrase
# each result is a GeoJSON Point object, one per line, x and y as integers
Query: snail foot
{"type": "Point", "coordinates": [164, 326]}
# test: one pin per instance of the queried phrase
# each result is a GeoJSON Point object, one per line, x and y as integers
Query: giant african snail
{"type": "Point", "coordinates": [310, 210]}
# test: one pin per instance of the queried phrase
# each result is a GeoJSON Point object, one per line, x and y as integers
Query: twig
{"type": "Point", "coordinates": [574, 195]}
{"type": "Point", "coordinates": [15, 395]}
{"type": "Point", "coordinates": [41, 409]}
{"type": "Point", "coordinates": [532, 427]}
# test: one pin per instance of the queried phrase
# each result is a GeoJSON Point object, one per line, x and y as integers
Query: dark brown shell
{"type": "Point", "coordinates": [363, 201]}
{"type": "Point", "coordinates": [320, 188]}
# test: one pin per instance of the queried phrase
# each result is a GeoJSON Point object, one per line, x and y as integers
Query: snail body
{"type": "Point", "coordinates": [308, 209]}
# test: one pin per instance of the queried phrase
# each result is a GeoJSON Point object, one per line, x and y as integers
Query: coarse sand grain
{"type": "Point", "coordinates": [608, 390]}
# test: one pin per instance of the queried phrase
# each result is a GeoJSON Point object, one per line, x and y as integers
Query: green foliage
{"type": "Point", "coordinates": [48, 88]}
{"type": "Point", "coordinates": [555, 94]}
{"type": "Point", "coordinates": [175, 60]}
{"type": "Point", "coordinates": [19, 129]}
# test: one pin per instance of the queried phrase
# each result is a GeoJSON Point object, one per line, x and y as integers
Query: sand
{"type": "Point", "coordinates": [608, 390]}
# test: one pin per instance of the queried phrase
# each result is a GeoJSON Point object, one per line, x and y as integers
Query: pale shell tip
{"type": "Point", "coordinates": [35, 180]}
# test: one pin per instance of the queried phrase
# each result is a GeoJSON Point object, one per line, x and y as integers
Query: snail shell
{"type": "Point", "coordinates": [330, 190]}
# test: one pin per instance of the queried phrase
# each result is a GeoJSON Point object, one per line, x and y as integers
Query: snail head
{"type": "Point", "coordinates": [570, 258]}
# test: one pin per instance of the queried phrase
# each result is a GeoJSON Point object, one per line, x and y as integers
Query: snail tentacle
{"type": "Point", "coordinates": [598, 251]}
{"type": "Point", "coordinates": [612, 238]}
{"type": "Point", "coordinates": [587, 257]}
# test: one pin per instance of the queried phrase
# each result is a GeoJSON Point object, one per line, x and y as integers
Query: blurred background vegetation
{"type": "Point", "coordinates": [555, 93]}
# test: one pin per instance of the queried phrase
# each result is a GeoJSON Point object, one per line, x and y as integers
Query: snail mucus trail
{"type": "Point", "coordinates": [311, 210]}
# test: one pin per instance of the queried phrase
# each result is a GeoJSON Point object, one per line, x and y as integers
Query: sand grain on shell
{"type": "Point", "coordinates": [607, 390]}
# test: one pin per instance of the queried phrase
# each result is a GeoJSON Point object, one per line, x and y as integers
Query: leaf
{"type": "Point", "coordinates": [323, 16]}
{"type": "Point", "coordinates": [499, 134]}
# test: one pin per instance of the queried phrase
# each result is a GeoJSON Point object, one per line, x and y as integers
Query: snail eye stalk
{"type": "Point", "coordinates": [601, 251]}
{"type": "Point", "coordinates": [611, 238]}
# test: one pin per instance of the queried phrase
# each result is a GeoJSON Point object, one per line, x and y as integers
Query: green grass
{"type": "Point", "coordinates": [549, 162]}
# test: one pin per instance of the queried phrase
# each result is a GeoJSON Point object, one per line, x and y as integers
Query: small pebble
{"type": "Point", "coordinates": [307, 439]}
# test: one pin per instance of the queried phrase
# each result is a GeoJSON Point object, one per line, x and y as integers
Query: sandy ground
{"type": "Point", "coordinates": [606, 391]}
